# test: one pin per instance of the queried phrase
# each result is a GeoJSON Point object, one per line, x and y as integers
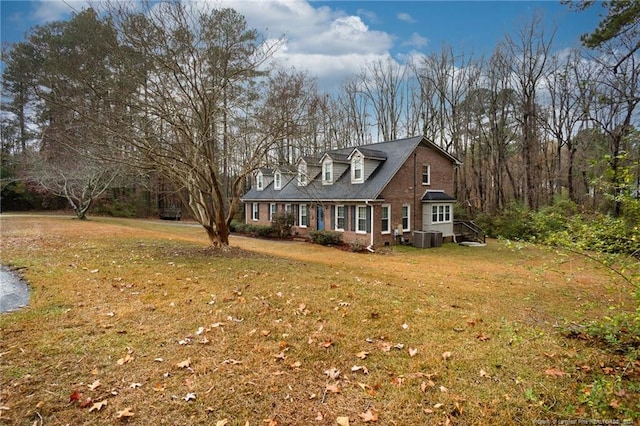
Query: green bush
{"type": "Point", "coordinates": [326, 238]}
{"type": "Point", "coordinates": [115, 208]}
{"type": "Point", "coordinates": [282, 224]}
{"type": "Point", "coordinates": [254, 230]}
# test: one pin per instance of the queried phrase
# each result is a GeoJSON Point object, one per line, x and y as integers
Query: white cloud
{"type": "Point", "coordinates": [416, 40]}
{"type": "Point", "coordinates": [54, 10]}
{"type": "Point", "coordinates": [403, 16]}
{"type": "Point", "coordinates": [367, 14]}
{"type": "Point", "coordinates": [329, 43]}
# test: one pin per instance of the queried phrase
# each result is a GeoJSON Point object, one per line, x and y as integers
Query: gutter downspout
{"type": "Point", "coordinates": [370, 246]}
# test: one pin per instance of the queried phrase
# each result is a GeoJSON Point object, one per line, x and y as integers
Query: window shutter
{"type": "Point", "coordinates": [332, 220]}
{"type": "Point", "coordinates": [353, 218]}
{"type": "Point", "coordinates": [258, 212]}
{"type": "Point", "coordinates": [294, 211]}
{"type": "Point", "coordinates": [369, 218]}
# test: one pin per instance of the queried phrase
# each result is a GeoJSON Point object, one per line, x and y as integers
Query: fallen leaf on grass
{"type": "Point", "coordinates": [184, 364]}
{"type": "Point", "coordinates": [75, 396]}
{"type": "Point", "coordinates": [159, 387]}
{"type": "Point", "coordinates": [94, 385]}
{"type": "Point", "coordinates": [425, 385]}
{"type": "Point", "coordinates": [555, 372]}
{"type": "Point", "coordinates": [333, 373]}
{"type": "Point", "coordinates": [135, 385]}
{"type": "Point", "coordinates": [482, 337]}
{"type": "Point", "coordinates": [189, 396]}
{"type": "Point", "coordinates": [364, 369]}
{"type": "Point", "coordinates": [484, 374]}
{"type": "Point", "coordinates": [87, 402]}
{"type": "Point", "coordinates": [446, 355]}
{"type": "Point", "coordinates": [334, 388]}
{"type": "Point", "coordinates": [413, 352]}
{"type": "Point", "coordinates": [97, 406]}
{"type": "Point", "coordinates": [326, 344]}
{"type": "Point", "coordinates": [362, 355]}
{"type": "Point", "coordinates": [222, 422]}
{"type": "Point", "coordinates": [343, 421]}
{"type": "Point", "coordinates": [127, 358]}
{"type": "Point", "coordinates": [369, 416]}
{"type": "Point", "coordinates": [125, 413]}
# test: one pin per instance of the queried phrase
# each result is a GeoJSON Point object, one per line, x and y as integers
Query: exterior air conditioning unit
{"type": "Point", "coordinates": [422, 239]}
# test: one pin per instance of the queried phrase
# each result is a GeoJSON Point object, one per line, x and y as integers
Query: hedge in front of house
{"type": "Point", "coordinates": [326, 238]}
{"type": "Point", "coordinates": [253, 230]}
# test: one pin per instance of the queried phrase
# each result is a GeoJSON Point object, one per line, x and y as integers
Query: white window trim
{"type": "Point", "coordinates": [428, 166]}
{"type": "Point", "coordinates": [277, 181]}
{"type": "Point", "coordinates": [287, 208]}
{"type": "Point", "coordinates": [302, 174]}
{"type": "Point", "coordinates": [408, 228]}
{"type": "Point", "coordinates": [388, 207]}
{"type": "Point", "coordinates": [446, 212]}
{"type": "Point", "coordinates": [259, 181]}
{"type": "Point", "coordinates": [255, 210]}
{"type": "Point", "coordinates": [358, 217]}
{"type": "Point", "coordinates": [273, 210]}
{"type": "Point", "coordinates": [344, 217]}
{"type": "Point", "coordinates": [329, 164]}
{"type": "Point", "coordinates": [353, 169]}
{"type": "Point", "coordinates": [306, 210]}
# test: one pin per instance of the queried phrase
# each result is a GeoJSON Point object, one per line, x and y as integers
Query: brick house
{"type": "Point", "coordinates": [376, 194]}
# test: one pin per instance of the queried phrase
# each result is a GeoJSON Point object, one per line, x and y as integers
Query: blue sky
{"type": "Point", "coordinates": [332, 39]}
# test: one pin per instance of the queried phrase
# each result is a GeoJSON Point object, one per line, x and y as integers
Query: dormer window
{"type": "Point", "coordinates": [259, 181]}
{"type": "Point", "coordinates": [327, 172]}
{"type": "Point", "coordinates": [357, 169]}
{"type": "Point", "coordinates": [277, 180]}
{"type": "Point", "coordinates": [302, 174]}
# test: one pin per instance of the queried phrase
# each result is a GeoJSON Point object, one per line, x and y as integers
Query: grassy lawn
{"type": "Point", "coordinates": [139, 322]}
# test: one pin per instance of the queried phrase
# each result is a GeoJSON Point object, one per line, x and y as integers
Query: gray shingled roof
{"type": "Point", "coordinates": [435, 195]}
{"type": "Point", "coordinates": [396, 153]}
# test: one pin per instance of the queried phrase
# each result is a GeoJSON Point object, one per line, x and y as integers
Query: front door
{"type": "Point", "coordinates": [320, 218]}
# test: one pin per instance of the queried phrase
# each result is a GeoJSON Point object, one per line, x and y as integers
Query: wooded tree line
{"type": "Point", "coordinates": [136, 94]}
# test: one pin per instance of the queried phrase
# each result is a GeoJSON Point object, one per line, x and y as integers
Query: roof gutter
{"type": "Point", "coordinates": [370, 246]}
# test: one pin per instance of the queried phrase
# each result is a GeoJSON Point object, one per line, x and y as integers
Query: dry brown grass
{"type": "Point", "coordinates": [141, 315]}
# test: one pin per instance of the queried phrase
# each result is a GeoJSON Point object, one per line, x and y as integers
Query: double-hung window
{"type": "Point", "coordinates": [255, 211]}
{"type": "Point", "coordinates": [302, 174]}
{"type": "Point", "coordinates": [357, 169]}
{"type": "Point", "coordinates": [303, 216]}
{"type": "Point", "coordinates": [273, 210]}
{"type": "Point", "coordinates": [277, 181]}
{"type": "Point", "coordinates": [385, 216]}
{"type": "Point", "coordinates": [327, 172]}
{"type": "Point", "coordinates": [340, 218]}
{"type": "Point", "coordinates": [361, 219]}
{"type": "Point", "coordinates": [426, 174]}
{"type": "Point", "coordinates": [406, 213]}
